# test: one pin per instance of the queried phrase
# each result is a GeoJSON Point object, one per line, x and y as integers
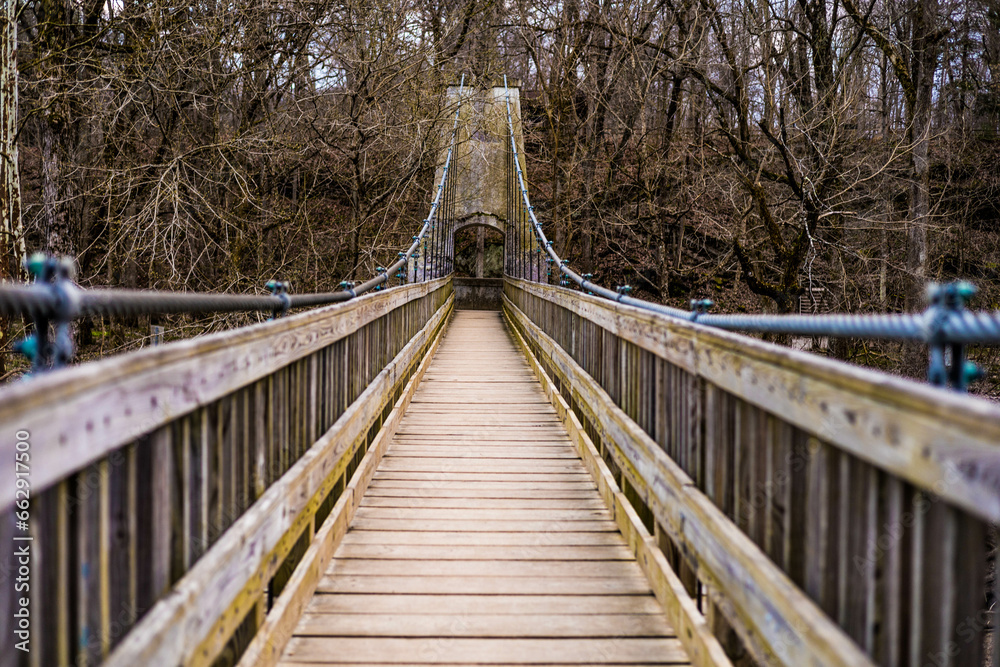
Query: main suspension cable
{"type": "Point", "coordinates": [54, 298]}
{"type": "Point", "coordinates": [944, 322]}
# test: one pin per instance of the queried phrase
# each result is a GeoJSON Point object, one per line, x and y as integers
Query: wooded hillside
{"type": "Point", "coordinates": [817, 154]}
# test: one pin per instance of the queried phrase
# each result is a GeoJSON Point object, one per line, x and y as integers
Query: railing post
{"type": "Point", "coordinates": [279, 288]}
{"type": "Point", "coordinates": [948, 302]}
{"type": "Point", "coordinates": [55, 278]}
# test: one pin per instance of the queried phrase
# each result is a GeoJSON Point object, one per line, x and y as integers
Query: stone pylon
{"type": "Point", "coordinates": [481, 182]}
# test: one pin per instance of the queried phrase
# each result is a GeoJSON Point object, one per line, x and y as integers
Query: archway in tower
{"type": "Point", "coordinates": [479, 252]}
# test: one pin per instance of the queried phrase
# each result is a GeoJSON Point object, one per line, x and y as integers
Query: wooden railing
{"type": "Point", "coordinates": [202, 469]}
{"type": "Point", "coordinates": [823, 514]}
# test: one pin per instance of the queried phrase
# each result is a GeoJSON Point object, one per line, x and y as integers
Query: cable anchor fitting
{"type": "Point", "coordinates": [948, 302]}
{"type": "Point", "coordinates": [279, 289]}
{"type": "Point", "coordinates": [53, 276]}
{"type": "Point", "coordinates": [700, 307]}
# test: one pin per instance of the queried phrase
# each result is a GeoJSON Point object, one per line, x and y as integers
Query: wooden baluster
{"type": "Point", "coordinates": [244, 420]}
{"type": "Point", "coordinates": [229, 434]}
{"type": "Point", "coordinates": [759, 439]}
{"type": "Point", "coordinates": [715, 436]}
{"type": "Point", "coordinates": [49, 611]}
{"type": "Point", "coordinates": [87, 495]}
{"type": "Point", "coordinates": [780, 436]}
{"type": "Point", "coordinates": [270, 430]}
{"type": "Point", "coordinates": [123, 537]}
{"type": "Point", "coordinates": [155, 506]}
{"type": "Point", "coordinates": [858, 594]}
{"type": "Point", "coordinates": [937, 582]}
{"type": "Point", "coordinates": [215, 467]}
{"type": "Point", "coordinates": [661, 420]}
{"type": "Point", "coordinates": [282, 436]}
{"type": "Point", "coordinates": [694, 395]}
{"type": "Point", "coordinates": [201, 464]}
{"type": "Point", "coordinates": [971, 612]}
{"type": "Point", "coordinates": [795, 497]}
{"type": "Point", "coordinates": [315, 392]}
{"type": "Point", "coordinates": [260, 427]}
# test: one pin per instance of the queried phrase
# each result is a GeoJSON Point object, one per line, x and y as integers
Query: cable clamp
{"type": "Point", "coordinates": [948, 301]}
{"type": "Point", "coordinates": [279, 288]}
{"type": "Point", "coordinates": [53, 276]}
{"type": "Point", "coordinates": [700, 307]}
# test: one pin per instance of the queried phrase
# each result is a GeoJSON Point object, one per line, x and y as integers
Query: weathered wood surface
{"type": "Point", "coordinates": [479, 555]}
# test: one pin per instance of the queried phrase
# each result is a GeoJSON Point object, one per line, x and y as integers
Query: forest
{"type": "Point", "coordinates": [771, 155]}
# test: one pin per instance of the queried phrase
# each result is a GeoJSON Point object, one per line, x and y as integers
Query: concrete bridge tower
{"type": "Point", "coordinates": [482, 187]}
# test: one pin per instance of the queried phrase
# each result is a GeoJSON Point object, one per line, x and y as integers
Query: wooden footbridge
{"type": "Point", "coordinates": [569, 480]}
{"type": "Point", "coordinates": [482, 538]}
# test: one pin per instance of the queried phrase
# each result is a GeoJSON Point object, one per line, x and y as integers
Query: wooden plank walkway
{"type": "Point", "coordinates": [482, 539]}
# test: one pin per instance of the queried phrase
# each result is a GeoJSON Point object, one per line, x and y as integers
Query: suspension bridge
{"type": "Point", "coordinates": [579, 477]}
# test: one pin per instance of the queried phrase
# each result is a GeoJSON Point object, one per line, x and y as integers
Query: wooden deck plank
{"type": "Point", "coordinates": [479, 432]}
{"type": "Point", "coordinates": [431, 650]}
{"type": "Point", "coordinates": [484, 625]}
{"type": "Point", "coordinates": [494, 477]}
{"type": "Point", "coordinates": [480, 514]}
{"type": "Point", "coordinates": [490, 553]}
{"type": "Point", "coordinates": [525, 425]}
{"type": "Point", "coordinates": [495, 568]}
{"type": "Point", "coordinates": [437, 440]}
{"type": "Point", "coordinates": [476, 585]}
{"type": "Point", "coordinates": [389, 538]}
{"type": "Point", "coordinates": [568, 605]}
{"type": "Point", "coordinates": [554, 432]}
{"type": "Point", "coordinates": [451, 453]}
{"type": "Point", "coordinates": [453, 492]}
{"type": "Point", "coordinates": [497, 466]}
{"type": "Point", "coordinates": [512, 487]}
{"type": "Point", "coordinates": [526, 455]}
{"type": "Point", "coordinates": [460, 403]}
{"type": "Point", "coordinates": [285, 663]}
{"type": "Point", "coordinates": [482, 538]}
{"type": "Point", "coordinates": [436, 501]}
{"type": "Point", "coordinates": [478, 526]}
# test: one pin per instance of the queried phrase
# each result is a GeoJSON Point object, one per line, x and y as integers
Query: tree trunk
{"type": "Point", "coordinates": [12, 247]}
{"type": "Point", "coordinates": [11, 232]}
{"type": "Point", "coordinates": [663, 260]}
{"type": "Point", "coordinates": [925, 64]}
{"type": "Point", "coordinates": [55, 191]}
